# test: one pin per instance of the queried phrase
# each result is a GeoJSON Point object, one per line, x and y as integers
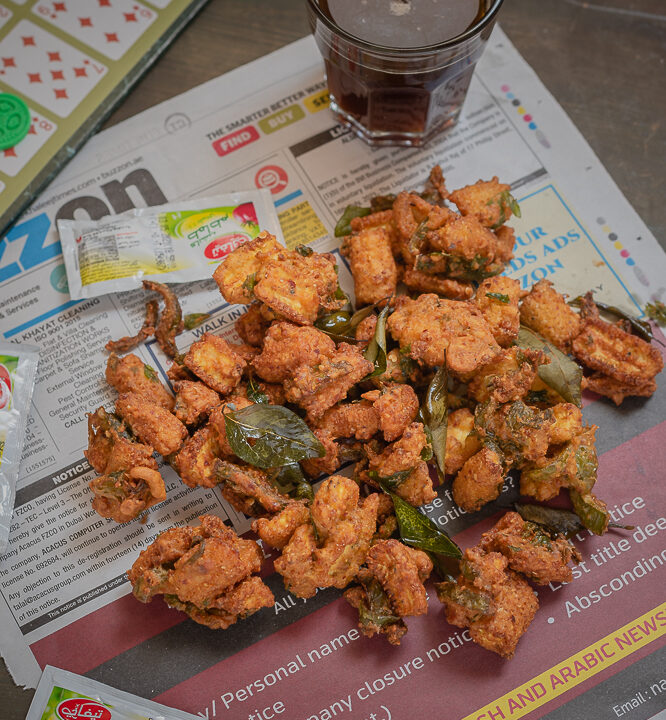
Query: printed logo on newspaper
{"type": "Point", "coordinates": [82, 709]}
{"type": "Point", "coordinates": [235, 140]}
{"type": "Point", "coordinates": [5, 388]}
{"type": "Point", "coordinates": [272, 177]}
{"type": "Point", "coordinates": [222, 246]}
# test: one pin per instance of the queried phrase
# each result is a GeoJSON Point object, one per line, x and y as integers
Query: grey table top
{"type": "Point", "coordinates": [603, 60]}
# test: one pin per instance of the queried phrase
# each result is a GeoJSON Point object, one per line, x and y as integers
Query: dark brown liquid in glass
{"type": "Point", "coordinates": [382, 100]}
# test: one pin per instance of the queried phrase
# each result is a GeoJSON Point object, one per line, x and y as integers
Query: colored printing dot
{"type": "Point", "coordinates": [521, 110]}
{"type": "Point", "coordinates": [505, 88]}
{"type": "Point", "coordinates": [625, 253]}
{"type": "Point", "coordinates": [14, 120]}
{"type": "Point", "coordinates": [527, 118]}
{"type": "Point", "coordinates": [532, 126]}
{"type": "Point", "coordinates": [516, 102]}
{"type": "Point", "coordinates": [630, 261]}
{"type": "Point", "coordinates": [601, 221]}
{"type": "Point", "coordinates": [618, 245]}
{"type": "Point", "coordinates": [612, 237]}
{"type": "Point", "coordinates": [511, 96]}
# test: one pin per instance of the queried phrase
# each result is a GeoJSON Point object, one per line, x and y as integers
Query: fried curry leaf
{"type": "Point", "coordinates": [557, 520]}
{"type": "Point", "coordinates": [270, 436]}
{"type": "Point", "coordinates": [289, 480]}
{"type": "Point", "coordinates": [642, 328]}
{"type": "Point", "coordinates": [376, 350]}
{"type": "Point", "coordinates": [656, 311]}
{"type": "Point", "coordinates": [336, 325]}
{"type": "Point", "coordinates": [505, 199]}
{"type": "Point", "coordinates": [478, 602]}
{"type": "Point", "coordinates": [591, 511]}
{"type": "Point", "coordinates": [392, 481]}
{"type": "Point", "coordinates": [562, 373]}
{"type": "Point", "coordinates": [343, 226]}
{"type": "Point", "coordinates": [419, 531]}
{"type": "Point", "coordinates": [499, 296]}
{"type": "Point", "coordinates": [304, 250]}
{"type": "Point", "coordinates": [192, 320]}
{"type": "Point", "coordinates": [382, 202]}
{"type": "Point", "coordinates": [434, 414]}
{"type": "Point", "coordinates": [376, 610]}
{"type": "Point", "coordinates": [150, 373]}
{"type": "Point", "coordinates": [416, 240]}
{"type": "Point", "coordinates": [255, 393]}
{"type": "Point", "coordinates": [249, 282]}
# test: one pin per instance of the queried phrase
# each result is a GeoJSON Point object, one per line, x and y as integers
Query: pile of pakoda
{"type": "Point", "coordinates": [415, 389]}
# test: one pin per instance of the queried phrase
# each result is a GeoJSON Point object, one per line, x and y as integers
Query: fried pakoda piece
{"type": "Point", "coordinates": [177, 372]}
{"type": "Point", "coordinates": [248, 490]}
{"type": "Point", "coordinates": [508, 376]}
{"type": "Point", "coordinates": [252, 326]}
{"type": "Point", "coordinates": [318, 387]}
{"type": "Point", "coordinates": [127, 343]}
{"type": "Point", "coordinates": [359, 420]}
{"type": "Point", "coordinates": [487, 200]}
{"type": "Point", "coordinates": [237, 273]}
{"type": "Point", "coordinates": [495, 603]}
{"type": "Point", "coordinates": [480, 480]}
{"type": "Point", "coordinates": [195, 461]}
{"type": "Point", "coordinates": [568, 423]}
{"type": "Point", "coordinates": [506, 239]}
{"type": "Point", "coordinates": [216, 362]}
{"type": "Point", "coordinates": [609, 350]}
{"type": "Point", "coordinates": [194, 401]}
{"type": "Point", "coordinates": [390, 589]}
{"type": "Point", "coordinates": [396, 406]}
{"type": "Point", "coordinates": [401, 456]}
{"type": "Point", "coordinates": [615, 390]}
{"type": "Point", "coordinates": [468, 245]}
{"type": "Point", "coordinates": [365, 330]}
{"type": "Point", "coordinates": [129, 481]}
{"type": "Point", "coordinates": [328, 550]}
{"type": "Point", "coordinates": [545, 311]}
{"type": "Point", "coordinates": [129, 374]}
{"type": "Point", "coordinates": [462, 440]}
{"type": "Point", "coordinates": [497, 298]}
{"type": "Point", "coordinates": [432, 328]}
{"type": "Point", "coordinates": [151, 423]}
{"type": "Point", "coordinates": [530, 549]}
{"type": "Point", "coordinates": [171, 319]}
{"type": "Point", "coordinates": [422, 282]}
{"type": "Point", "coordinates": [207, 572]}
{"type": "Point", "coordinates": [372, 265]}
{"type": "Point", "coordinates": [288, 346]}
{"type": "Point", "coordinates": [277, 530]}
{"type": "Point", "coordinates": [329, 462]}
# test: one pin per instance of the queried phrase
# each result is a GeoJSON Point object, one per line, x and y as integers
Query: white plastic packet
{"type": "Point", "coordinates": [63, 695]}
{"type": "Point", "coordinates": [174, 243]}
{"type": "Point", "coordinates": [18, 365]}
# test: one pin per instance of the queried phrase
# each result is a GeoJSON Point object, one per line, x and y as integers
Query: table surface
{"type": "Point", "coordinates": [603, 60]}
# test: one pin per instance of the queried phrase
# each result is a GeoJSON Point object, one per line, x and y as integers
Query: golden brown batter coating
{"type": "Point", "coordinates": [462, 441]}
{"type": "Point", "coordinates": [237, 272]}
{"type": "Point", "coordinates": [430, 327]}
{"type": "Point", "coordinates": [194, 401]}
{"type": "Point", "coordinates": [469, 245]}
{"type": "Point", "coordinates": [615, 390]}
{"type": "Point", "coordinates": [288, 346]}
{"type": "Point", "coordinates": [495, 603]}
{"type": "Point", "coordinates": [530, 549]}
{"type": "Point", "coordinates": [276, 531]}
{"type": "Point", "coordinates": [497, 298]}
{"type": "Point", "coordinates": [129, 374]}
{"type": "Point", "coordinates": [508, 376]}
{"type": "Point", "coordinates": [151, 423]}
{"type": "Point", "coordinates": [479, 481]}
{"type": "Point", "coordinates": [329, 462]}
{"type": "Point", "coordinates": [402, 455]}
{"type": "Point", "coordinates": [568, 423]}
{"type": "Point", "coordinates": [248, 490]}
{"type": "Point", "coordinates": [359, 420]}
{"type": "Point", "coordinates": [422, 282]}
{"type": "Point", "coordinates": [195, 461]}
{"type": "Point", "coordinates": [397, 406]}
{"type": "Point", "coordinates": [486, 200]}
{"type": "Point", "coordinates": [216, 362]}
{"type": "Point", "coordinates": [104, 430]}
{"type": "Point", "coordinates": [545, 311]}
{"type": "Point", "coordinates": [506, 240]}
{"type": "Point", "coordinates": [252, 326]}
{"type": "Point", "coordinates": [207, 571]}
{"type": "Point", "coordinates": [372, 265]}
{"type": "Point", "coordinates": [318, 387]}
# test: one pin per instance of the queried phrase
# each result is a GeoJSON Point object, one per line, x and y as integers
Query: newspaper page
{"type": "Point", "coordinates": [595, 648]}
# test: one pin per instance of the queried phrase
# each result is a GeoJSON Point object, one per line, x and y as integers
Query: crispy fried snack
{"type": "Point", "coordinates": [486, 200]}
{"type": "Point", "coordinates": [151, 423]}
{"type": "Point", "coordinates": [508, 376]}
{"type": "Point", "coordinates": [396, 406]}
{"type": "Point", "coordinates": [248, 490]}
{"type": "Point", "coordinates": [545, 311]}
{"type": "Point", "coordinates": [431, 328]}
{"type": "Point", "coordinates": [462, 440]}
{"type": "Point", "coordinates": [129, 374]}
{"type": "Point", "coordinates": [495, 603]}
{"type": "Point", "coordinates": [404, 455]}
{"type": "Point", "coordinates": [372, 265]}
{"type": "Point", "coordinates": [329, 462]}
{"type": "Point", "coordinates": [359, 420]}
{"type": "Point", "coordinates": [278, 529]}
{"type": "Point", "coordinates": [468, 245]}
{"type": "Point", "coordinates": [328, 550]}
{"type": "Point", "coordinates": [252, 326]}
{"type": "Point", "coordinates": [530, 549]}
{"type": "Point", "coordinates": [207, 572]}
{"type": "Point", "coordinates": [171, 320]}
{"type": "Point", "coordinates": [319, 386]}
{"type": "Point", "coordinates": [127, 343]}
{"type": "Point", "coordinates": [497, 298]}
{"type": "Point", "coordinates": [480, 480]}
{"type": "Point", "coordinates": [129, 481]}
{"type": "Point", "coordinates": [194, 401]}
{"type": "Point", "coordinates": [423, 282]}
{"type": "Point", "coordinates": [287, 347]}
{"type": "Point", "coordinates": [195, 461]}
{"type": "Point", "coordinates": [216, 362]}
{"type": "Point", "coordinates": [615, 353]}
{"type": "Point", "coordinates": [616, 390]}
{"type": "Point", "coordinates": [390, 588]}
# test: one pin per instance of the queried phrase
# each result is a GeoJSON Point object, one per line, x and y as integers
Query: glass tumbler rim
{"type": "Point", "coordinates": [449, 44]}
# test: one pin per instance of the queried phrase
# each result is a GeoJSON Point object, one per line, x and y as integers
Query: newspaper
{"type": "Point", "coordinates": [595, 644]}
